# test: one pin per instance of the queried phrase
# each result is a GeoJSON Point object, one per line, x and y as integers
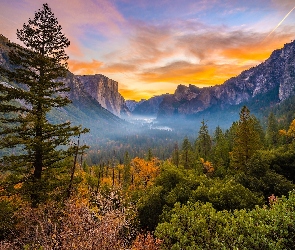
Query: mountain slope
{"type": "Point", "coordinates": [132, 104]}
{"type": "Point", "coordinates": [84, 110]}
{"type": "Point", "coordinates": [149, 107]}
{"type": "Point", "coordinates": [273, 79]}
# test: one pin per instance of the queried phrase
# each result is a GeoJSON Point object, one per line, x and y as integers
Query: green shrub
{"type": "Point", "coordinates": [200, 226]}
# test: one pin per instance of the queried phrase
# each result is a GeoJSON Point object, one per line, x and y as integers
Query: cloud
{"type": "Point", "coordinates": [131, 94]}
{"type": "Point", "coordinates": [85, 68]}
{"type": "Point", "coordinates": [147, 42]}
{"type": "Point", "coordinates": [138, 94]}
{"type": "Point", "coordinates": [256, 50]}
{"type": "Point", "coordinates": [151, 43]}
{"type": "Point", "coordinates": [76, 17]}
{"type": "Point", "coordinates": [75, 49]}
{"type": "Point", "coordinates": [118, 68]}
{"type": "Point", "coordinates": [187, 73]}
{"type": "Point", "coordinates": [99, 15]}
{"type": "Point", "coordinates": [219, 55]}
{"type": "Point", "coordinates": [188, 52]}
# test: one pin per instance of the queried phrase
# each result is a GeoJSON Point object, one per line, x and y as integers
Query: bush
{"type": "Point", "coordinates": [200, 226]}
{"type": "Point", "coordinates": [75, 225]}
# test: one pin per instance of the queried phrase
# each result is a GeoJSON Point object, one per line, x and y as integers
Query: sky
{"type": "Point", "coordinates": [151, 46]}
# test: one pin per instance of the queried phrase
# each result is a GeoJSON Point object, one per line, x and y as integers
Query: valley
{"type": "Point", "coordinates": [200, 168]}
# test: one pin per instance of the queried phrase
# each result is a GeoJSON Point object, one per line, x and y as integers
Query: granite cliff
{"type": "Point", "coordinates": [103, 90]}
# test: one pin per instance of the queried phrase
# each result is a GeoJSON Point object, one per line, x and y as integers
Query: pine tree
{"type": "Point", "coordinates": [247, 139]}
{"type": "Point", "coordinates": [150, 155]}
{"type": "Point", "coordinates": [175, 155]}
{"type": "Point", "coordinates": [24, 108]}
{"type": "Point", "coordinates": [220, 150]}
{"type": "Point", "coordinates": [187, 156]}
{"type": "Point", "coordinates": [272, 131]}
{"type": "Point", "coordinates": [203, 142]}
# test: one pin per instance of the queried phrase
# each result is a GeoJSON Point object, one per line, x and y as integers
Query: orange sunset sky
{"type": "Point", "coordinates": [151, 46]}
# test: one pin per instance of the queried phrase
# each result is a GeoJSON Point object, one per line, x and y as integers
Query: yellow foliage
{"type": "Point", "coordinates": [83, 192]}
{"type": "Point", "coordinates": [283, 132]}
{"type": "Point", "coordinates": [290, 132]}
{"type": "Point", "coordinates": [18, 185]}
{"type": "Point", "coordinates": [144, 172]}
{"type": "Point", "coordinates": [106, 181]}
{"type": "Point", "coordinates": [207, 166]}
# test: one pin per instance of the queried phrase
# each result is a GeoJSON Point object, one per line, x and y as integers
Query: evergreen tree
{"type": "Point", "coordinates": [230, 135]}
{"type": "Point", "coordinates": [203, 142]}
{"type": "Point", "coordinates": [258, 127]}
{"type": "Point", "coordinates": [36, 69]}
{"type": "Point", "coordinates": [175, 155]}
{"type": "Point", "coordinates": [187, 155]}
{"type": "Point", "coordinates": [272, 131]}
{"type": "Point", "coordinates": [247, 139]}
{"type": "Point", "coordinates": [150, 155]}
{"type": "Point", "coordinates": [220, 150]}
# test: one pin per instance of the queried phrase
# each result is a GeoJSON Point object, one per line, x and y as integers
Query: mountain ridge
{"type": "Point", "coordinates": [276, 75]}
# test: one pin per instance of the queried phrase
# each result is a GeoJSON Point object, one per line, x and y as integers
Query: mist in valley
{"type": "Point", "coordinates": [138, 135]}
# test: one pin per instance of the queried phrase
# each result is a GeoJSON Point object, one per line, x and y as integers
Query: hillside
{"type": "Point", "coordinates": [85, 108]}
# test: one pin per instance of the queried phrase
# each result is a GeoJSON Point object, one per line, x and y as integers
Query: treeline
{"type": "Point", "coordinates": [137, 144]}
{"type": "Point", "coordinates": [235, 177]}
{"type": "Point", "coordinates": [216, 192]}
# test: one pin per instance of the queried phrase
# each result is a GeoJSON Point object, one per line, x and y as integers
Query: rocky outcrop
{"type": "Point", "coordinates": [149, 107]}
{"type": "Point", "coordinates": [132, 104]}
{"type": "Point", "coordinates": [276, 76]}
{"type": "Point", "coordinates": [105, 91]}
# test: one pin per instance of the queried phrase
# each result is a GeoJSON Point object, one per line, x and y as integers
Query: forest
{"type": "Point", "coordinates": [227, 189]}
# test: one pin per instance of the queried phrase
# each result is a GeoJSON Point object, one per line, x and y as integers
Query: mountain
{"type": "Point", "coordinates": [101, 88]}
{"type": "Point", "coordinates": [272, 80]}
{"type": "Point", "coordinates": [105, 91]}
{"type": "Point", "coordinates": [132, 104]}
{"type": "Point", "coordinates": [149, 107]}
{"type": "Point", "coordinates": [86, 93]}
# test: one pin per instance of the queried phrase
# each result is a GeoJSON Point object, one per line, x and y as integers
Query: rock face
{"type": "Point", "coordinates": [149, 107]}
{"type": "Point", "coordinates": [274, 78]}
{"type": "Point", "coordinates": [105, 91]}
{"type": "Point", "coordinates": [132, 104]}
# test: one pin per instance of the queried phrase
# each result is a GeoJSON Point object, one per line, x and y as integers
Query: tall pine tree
{"type": "Point", "coordinates": [247, 139]}
{"type": "Point", "coordinates": [203, 143]}
{"type": "Point", "coordinates": [175, 155]}
{"type": "Point", "coordinates": [24, 108]}
{"type": "Point", "coordinates": [220, 149]}
{"type": "Point", "coordinates": [272, 131]}
{"type": "Point", "coordinates": [187, 158]}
